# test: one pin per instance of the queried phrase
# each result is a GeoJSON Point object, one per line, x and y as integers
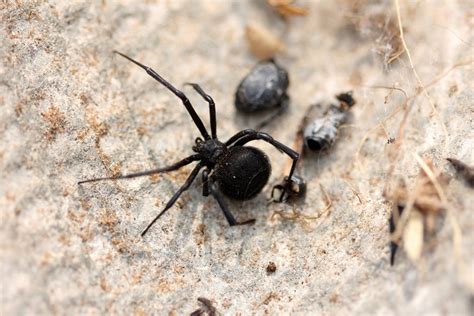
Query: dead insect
{"type": "Point", "coordinates": [263, 88]}
{"type": "Point", "coordinates": [289, 190]}
{"type": "Point", "coordinates": [207, 307]}
{"type": "Point", "coordinates": [465, 171]}
{"type": "Point", "coordinates": [320, 134]}
{"type": "Point", "coordinates": [317, 135]}
{"type": "Point", "coordinates": [237, 171]}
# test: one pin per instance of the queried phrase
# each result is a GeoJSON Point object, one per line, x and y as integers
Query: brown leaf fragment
{"type": "Point", "coordinates": [286, 9]}
{"type": "Point", "coordinates": [262, 43]}
{"type": "Point", "coordinates": [420, 204]}
{"type": "Point", "coordinates": [426, 197]}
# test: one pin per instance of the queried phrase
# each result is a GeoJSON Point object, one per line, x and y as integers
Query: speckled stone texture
{"type": "Point", "coordinates": [70, 109]}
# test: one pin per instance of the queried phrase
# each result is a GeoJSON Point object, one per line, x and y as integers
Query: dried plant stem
{"type": "Point", "coordinates": [356, 193]}
{"type": "Point", "coordinates": [402, 37]}
{"type": "Point", "coordinates": [326, 209]}
{"type": "Point", "coordinates": [395, 111]}
{"type": "Point", "coordinates": [423, 90]}
{"type": "Point", "coordinates": [457, 233]}
{"type": "Point", "coordinates": [297, 215]}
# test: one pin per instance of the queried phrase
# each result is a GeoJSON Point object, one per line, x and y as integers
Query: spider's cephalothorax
{"type": "Point", "coordinates": [210, 151]}
{"type": "Point", "coordinates": [232, 169]}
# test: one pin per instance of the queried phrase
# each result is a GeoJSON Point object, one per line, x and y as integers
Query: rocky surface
{"type": "Point", "coordinates": [71, 109]}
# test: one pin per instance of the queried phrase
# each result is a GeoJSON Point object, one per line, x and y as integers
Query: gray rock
{"type": "Point", "coordinates": [70, 110]}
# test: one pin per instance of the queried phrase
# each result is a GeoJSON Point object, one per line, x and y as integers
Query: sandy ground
{"type": "Point", "coordinates": [71, 109]}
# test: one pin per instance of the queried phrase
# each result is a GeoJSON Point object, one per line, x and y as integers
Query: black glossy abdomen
{"type": "Point", "coordinates": [242, 172]}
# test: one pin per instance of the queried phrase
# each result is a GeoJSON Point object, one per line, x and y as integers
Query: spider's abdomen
{"type": "Point", "coordinates": [242, 172]}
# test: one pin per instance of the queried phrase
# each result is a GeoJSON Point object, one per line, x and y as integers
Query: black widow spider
{"type": "Point", "coordinates": [229, 168]}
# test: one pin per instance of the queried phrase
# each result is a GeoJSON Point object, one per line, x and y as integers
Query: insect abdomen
{"type": "Point", "coordinates": [263, 88]}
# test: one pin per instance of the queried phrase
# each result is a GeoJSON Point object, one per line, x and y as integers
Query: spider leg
{"type": "Point", "coordinates": [173, 167]}
{"type": "Point", "coordinates": [212, 107]}
{"type": "Point", "coordinates": [176, 92]}
{"type": "Point", "coordinates": [239, 135]}
{"type": "Point", "coordinates": [175, 196]}
{"type": "Point", "coordinates": [205, 182]}
{"type": "Point", "coordinates": [248, 135]}
{"type": "Point", "coordinates": [214, 190]}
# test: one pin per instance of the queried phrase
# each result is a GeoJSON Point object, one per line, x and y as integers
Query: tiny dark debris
{"type": "Point", "coordinates": [346, 99]}
{"type": "Point", "coordinates": [465, 171]}
{"type": "Point", "coordinates": [392, 226]}
{"type": "Point", "coordinates": [271, 267]}
{"type": "Point", "coordinates": [206, 308]}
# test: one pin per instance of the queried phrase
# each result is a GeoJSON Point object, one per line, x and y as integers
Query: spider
{"type": "Point", "coordinates": [228, 168]}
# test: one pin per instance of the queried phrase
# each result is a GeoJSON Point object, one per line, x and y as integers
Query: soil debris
{"type": "Point", "coordinates": [271, 267]}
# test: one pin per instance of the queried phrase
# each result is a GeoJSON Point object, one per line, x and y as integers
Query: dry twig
{"type": "Point", "coordinates": [296, 215]}
{"type": "Point", "coordinates": [423, 89]}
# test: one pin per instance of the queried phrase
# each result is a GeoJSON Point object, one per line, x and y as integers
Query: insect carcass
{"type": "Point", "coordinates": [320, 134]}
